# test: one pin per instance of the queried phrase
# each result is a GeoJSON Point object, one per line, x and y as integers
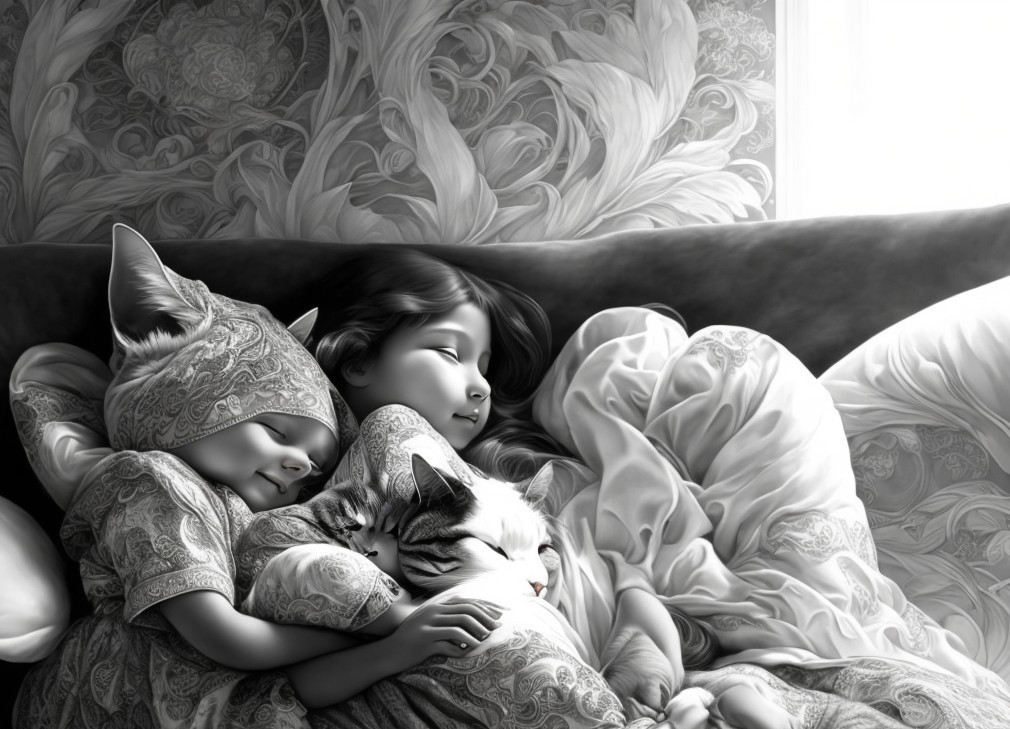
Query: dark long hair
{"type": "Point", "coordinates": [376, 292]}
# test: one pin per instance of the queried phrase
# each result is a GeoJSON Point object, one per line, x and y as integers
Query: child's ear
{"type": "Point", "coordinates": [356, 373]}
{"type": "Point", "coordinates": [535, 490]}
{"type": "Point", "coordinates": [142, 297]}
{"type": "Point", "coordinates": [301, 328]}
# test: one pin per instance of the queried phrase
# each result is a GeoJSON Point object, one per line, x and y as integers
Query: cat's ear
{"type": "Point", "coordinates": [432, 488]}
{"type": "Point", "coordinates": [142, 297]}
{"type": "Point", "coordinates": [301, 328]}
{"type": "Point", "coordinates": [536, 489]}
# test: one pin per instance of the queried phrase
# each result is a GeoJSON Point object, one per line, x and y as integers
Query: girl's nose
{"type": "Point", "coordinates": [479, 389]}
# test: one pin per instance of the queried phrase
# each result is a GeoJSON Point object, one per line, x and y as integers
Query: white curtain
{"type": "Point", "coordinates": [892, 106]}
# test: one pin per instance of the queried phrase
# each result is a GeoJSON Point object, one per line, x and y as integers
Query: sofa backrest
{"type": "Point", "coordinates": [820, 287]}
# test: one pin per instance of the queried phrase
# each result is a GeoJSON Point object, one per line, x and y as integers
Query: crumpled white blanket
{"type": "Point", "coordinates": [718, 476]}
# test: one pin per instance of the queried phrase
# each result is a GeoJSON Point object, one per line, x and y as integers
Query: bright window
{"type": "Point", "coordinates": [892, 106]}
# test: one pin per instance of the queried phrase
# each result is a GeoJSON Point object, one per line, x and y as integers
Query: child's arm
{"type": "Point", "coordinates": [209, 622]}
{"type": "Point", "coordinates": [450, 628]}
{"type": "Point", "coordinates": [326, 666]}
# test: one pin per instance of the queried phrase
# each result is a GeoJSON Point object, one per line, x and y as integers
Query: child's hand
{"type": "Point", "coordinates": [639, 673]}
{"type": "Point", "coordinates": [452, 628]}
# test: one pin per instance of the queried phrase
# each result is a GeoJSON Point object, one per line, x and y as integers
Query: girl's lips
{"type": "Point", "coordinates": [471, 418]}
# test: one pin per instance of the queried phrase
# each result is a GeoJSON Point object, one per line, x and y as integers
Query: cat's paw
{"type": "Point", "coordinates": [639, 673]}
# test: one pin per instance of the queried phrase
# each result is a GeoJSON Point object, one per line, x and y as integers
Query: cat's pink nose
{"type": "Point", "coordinates": [537, 588]}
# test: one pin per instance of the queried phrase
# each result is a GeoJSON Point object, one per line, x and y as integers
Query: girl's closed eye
{"type": "Point", "coordinates": [449, 352]}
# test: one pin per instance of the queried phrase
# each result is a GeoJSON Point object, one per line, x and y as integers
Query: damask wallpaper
{"type": "Point", "coordinates": [383, 120]}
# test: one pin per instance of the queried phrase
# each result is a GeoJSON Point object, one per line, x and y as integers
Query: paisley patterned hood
{"type": "Point", "coordinates": [190, 362]}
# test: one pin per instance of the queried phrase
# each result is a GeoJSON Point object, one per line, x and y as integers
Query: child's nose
{"type": "Point", "coordinates": [479, 388]}
{"type": "Point", "coordinates": [296, 463]}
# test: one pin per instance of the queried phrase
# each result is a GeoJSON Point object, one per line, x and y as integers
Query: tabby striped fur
{"type": "Point", "coordinates": [451, 533]}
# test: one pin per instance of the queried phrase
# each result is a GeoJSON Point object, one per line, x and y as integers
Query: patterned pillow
{"type": "Point", "coordinates": [926, 409]}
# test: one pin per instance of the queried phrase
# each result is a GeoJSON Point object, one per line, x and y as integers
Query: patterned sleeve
{"type": "Point", "coordinates": [294, 566]}
{"type": "Point", "coordinates": [146, 527]}
{"type": "Point", "coordinates": [320, 520]}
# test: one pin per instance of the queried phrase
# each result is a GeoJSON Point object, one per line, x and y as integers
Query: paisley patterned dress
{"type": "Point", "coordinates": [145, 528]}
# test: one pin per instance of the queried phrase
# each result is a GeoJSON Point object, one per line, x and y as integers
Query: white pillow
{"type": "Point", "coordinates": [35, 608]}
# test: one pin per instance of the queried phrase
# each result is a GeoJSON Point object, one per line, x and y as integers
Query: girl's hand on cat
{"type": "Point", "coordinates": [451, 627]}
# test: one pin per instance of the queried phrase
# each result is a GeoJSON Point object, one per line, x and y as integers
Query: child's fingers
{"type": "Point", "coordinates": [470, 624]}
{"type": "Point", "coordinates": [473, 615]}
{"type": "Point", "coordinates": [474, 607]}
{"type": "Point", "coordinates": [455, 640]}
{"type": "Point", "coordinates": [635, 709]}
{"type": "Point", "coordinates": [487, 604]}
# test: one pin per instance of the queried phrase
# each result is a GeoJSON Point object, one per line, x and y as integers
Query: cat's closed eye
{"type": "Point", "coordinates": [497, 549]}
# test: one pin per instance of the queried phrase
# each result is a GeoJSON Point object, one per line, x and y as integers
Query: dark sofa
{"type": "Point", "coordinates": [820, 287]}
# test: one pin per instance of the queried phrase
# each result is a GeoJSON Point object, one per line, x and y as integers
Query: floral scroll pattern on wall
{"type": "Point", "coordinates": [381, 120]}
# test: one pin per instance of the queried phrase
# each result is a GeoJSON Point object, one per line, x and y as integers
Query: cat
{"type": "Point", "coordinates": [450, 533]}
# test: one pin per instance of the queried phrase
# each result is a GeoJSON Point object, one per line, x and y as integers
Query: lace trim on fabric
{"type": "Point", "coordinates": [821, 536]}
{"type": "Point", "coordinates": [726, 350]}
{"type": "Point", "coordinates": [162, 587]}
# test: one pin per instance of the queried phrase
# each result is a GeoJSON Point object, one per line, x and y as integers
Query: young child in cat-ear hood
{"type": "Point", "coordinates": [215, 411]}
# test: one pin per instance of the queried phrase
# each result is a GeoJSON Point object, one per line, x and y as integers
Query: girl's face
{"type": "Point", "coordinates": [437, 368]}
{"type": "Point", "coordinates": [266, 460]}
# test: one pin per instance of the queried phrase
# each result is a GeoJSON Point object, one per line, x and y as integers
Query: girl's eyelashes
{"type": "Point", "coordinates": [449, 352]}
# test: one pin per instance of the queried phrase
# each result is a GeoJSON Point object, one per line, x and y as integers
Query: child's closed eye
{"type": "Point", "coordinates": [449, 352]}
{"type": "Point", "coordinates": [272, 429]}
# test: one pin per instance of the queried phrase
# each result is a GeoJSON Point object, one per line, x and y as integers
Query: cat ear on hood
{"type": "Point", "coordinates": [301, 328]}
{"type": "Point", "coordinates": [536, 489]}
{"type": "Point", "coordinates": [142, 297]}
{"type": "Point", "coordinates": [434, 489]}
